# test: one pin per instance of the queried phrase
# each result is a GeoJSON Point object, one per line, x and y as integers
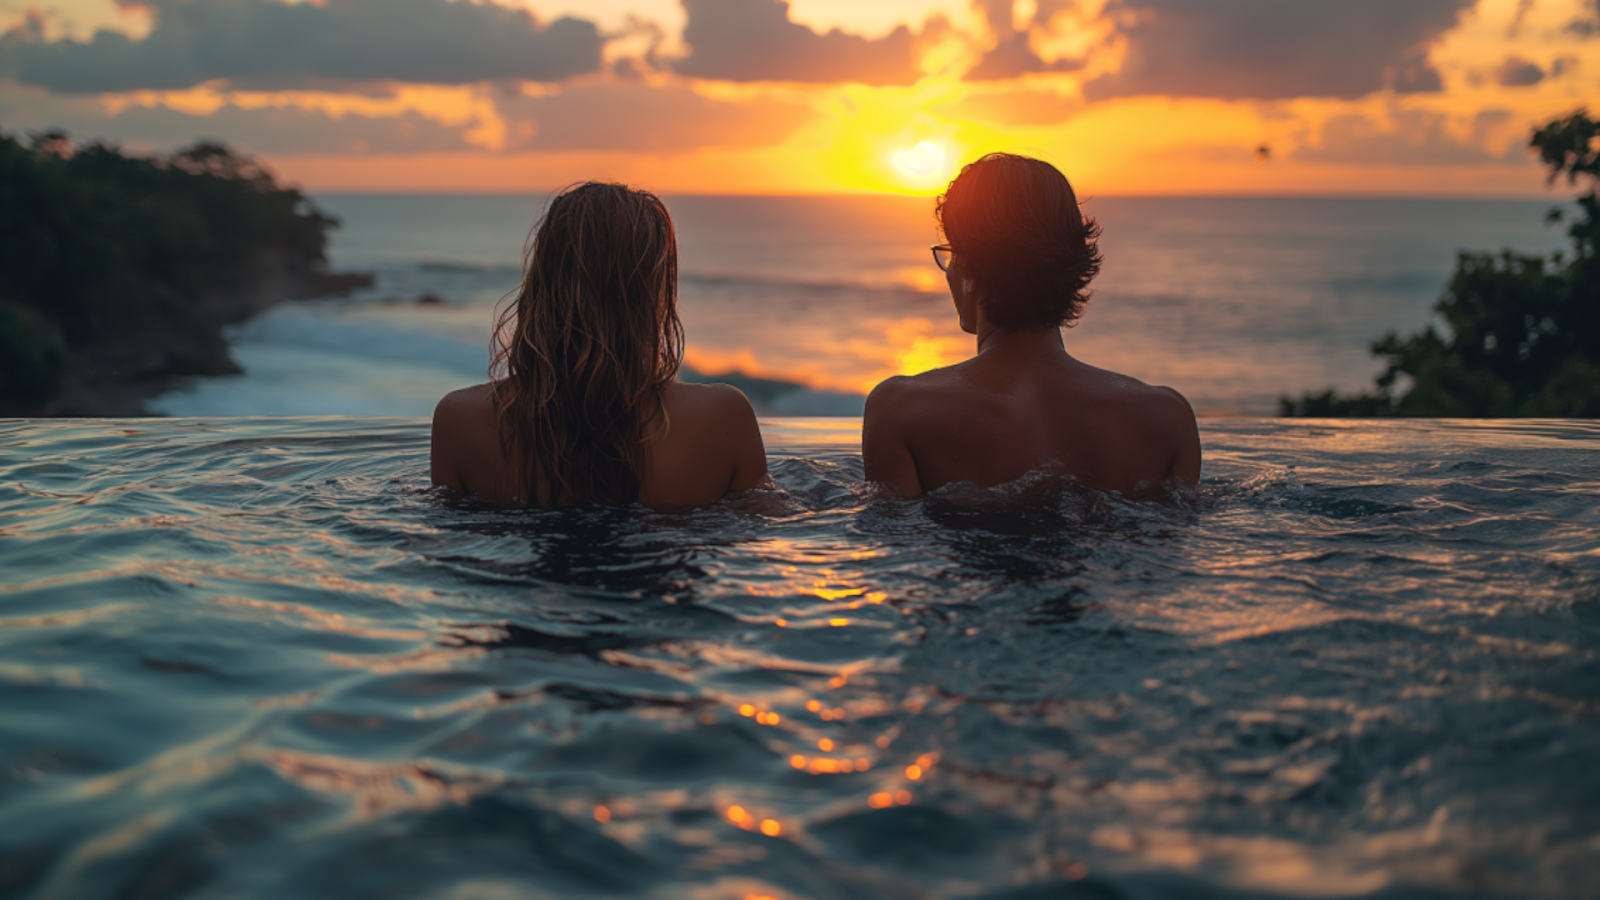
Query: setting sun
{"type": "Point", "coordinates": [926, 161]}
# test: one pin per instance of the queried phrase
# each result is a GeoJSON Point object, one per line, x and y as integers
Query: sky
{"type": "Point", "coordinates": [1128, 97]}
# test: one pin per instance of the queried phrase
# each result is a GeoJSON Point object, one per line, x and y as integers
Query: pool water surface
{"type": "Point", "coordinates": [261, 658]}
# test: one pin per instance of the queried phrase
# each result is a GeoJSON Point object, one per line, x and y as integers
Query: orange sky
{"type": "Point", "coordinates": [822, 96]}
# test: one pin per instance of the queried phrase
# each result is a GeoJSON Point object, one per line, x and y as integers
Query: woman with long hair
{"type": "Point", "coordinates": [583, 403]}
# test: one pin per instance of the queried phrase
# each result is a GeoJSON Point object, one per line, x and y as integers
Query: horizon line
{"type": "Point", "coordinates": [1555, 195]}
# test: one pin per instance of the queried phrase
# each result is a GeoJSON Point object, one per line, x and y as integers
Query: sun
{"type": "Point", "coordinates": [926, 162]}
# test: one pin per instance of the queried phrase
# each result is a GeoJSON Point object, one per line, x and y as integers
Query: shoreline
{"type": "Point", "coordinates": [116, 378]}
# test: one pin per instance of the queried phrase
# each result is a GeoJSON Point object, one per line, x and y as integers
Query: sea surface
{"type": "Point", "coordinates": [262, 658]}
{"type": "Point", "coordinates": [810, 301]}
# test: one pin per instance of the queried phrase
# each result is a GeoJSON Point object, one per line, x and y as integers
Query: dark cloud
{"type": "Point", "coordinates": [1275, 49]}
{"type": "Point", "coordinates": [1409, 137]}
{"type": "Point", "coordinates": [753, 40]}
{"type": "Point", "coordinates": [289, 130]}
{"type": "Point", "coordinates": [264, 130]}
{"type": "Point", "coordinates": [1518, 72]}
{"type": "Point", "coordinates": [1012, 56]}
{"type": "Point", "coordinates": [1589, 24]}
{"type": "Point", "coordinates": [607, 116]}
{"type": "Point", "coordinates": [267, 44]}
{"type": "Point", "coordinates": [635, 116]}
{"type": "Point", "coordinates": [1523, 8]}
{"type": "Point", "coordinates": [1416, 76]}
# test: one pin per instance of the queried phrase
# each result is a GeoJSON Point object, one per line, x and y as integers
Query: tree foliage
{"type": "Point", "coordinates": [1521, 332]}
{"type": "Point", "coordinates": [98, 245]}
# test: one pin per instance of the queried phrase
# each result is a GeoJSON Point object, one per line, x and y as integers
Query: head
{"type": "Point", "coordinates": [584, 352]}
{"type": "Point", "coordinates": [1020, 243]}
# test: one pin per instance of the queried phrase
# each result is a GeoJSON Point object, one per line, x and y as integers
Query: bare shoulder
{"type": "Point", "coordinates": [1166, 416]}
{"type": "Point", "coordinates": [718, 413]}
{"type": "Point", "coordinates": [1150, 403]}
{"type": "Point", "coordinates": [708, 402]}
{"type": "Point", "coordinates": [464, 435]}
{"type": "Point", "coordinates": [888, 407]}
{"type": "Point", "coordinates": [1167, 413]}
{"type": "Point", "coordinates": [905, 394]}
{"type": "Point", "coordinates": [1168, 406]}
{"type": "Point", "coordinates": [889, 393]}
{"type": "Point", "coordinates": [710, 426]}
{"type": "Point", "coordinates": [466, 404]}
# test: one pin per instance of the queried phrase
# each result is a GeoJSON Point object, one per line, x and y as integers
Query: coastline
{"type": "Point", "coordinates": [116, 377]}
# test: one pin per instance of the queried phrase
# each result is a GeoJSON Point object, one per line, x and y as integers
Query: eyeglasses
{"type": "Point", "coordinates": [941, 256]}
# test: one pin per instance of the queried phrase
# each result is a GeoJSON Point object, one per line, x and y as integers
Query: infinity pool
{"type": "Point", "coordinates": [260, 658]}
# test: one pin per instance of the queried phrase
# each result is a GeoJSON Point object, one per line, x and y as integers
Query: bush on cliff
{"type": "Point", "coordinates": [1522, 331]}
{"type": "Point", "coordinates": [33, 361]}
{"type": "Point", "coordinates": [136, 261]}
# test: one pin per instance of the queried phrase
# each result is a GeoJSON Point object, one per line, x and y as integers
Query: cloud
{"type": "Point", "coordinates": [1519, 17]}
{"type": "Point", "coordinates": [1409, 137]}
{"type": "Point", "coordinates": [606, 116]}
{"type": "Point", "coordinates": [1012, 56]}
{"type": "Point", "coordinates": [636, 116]}
{"type": "Point", "coordinates": [289, 130]}
{"type": "Point", "coordinates": [1518, 72]}
{"type": "Point", "coordinates": [1276, 49]}
{"type": "Point", "coordinates": [1589, 24]}
{"type": "Point", "coordinates": [265, 44]}
{"type": "Point", "coordinates": [272, 130]}
{"type": "Point", "coordinates": [753, 40]}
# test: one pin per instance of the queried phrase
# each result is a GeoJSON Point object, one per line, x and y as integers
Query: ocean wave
{"type": "Point", "coordinates": [314, 327]}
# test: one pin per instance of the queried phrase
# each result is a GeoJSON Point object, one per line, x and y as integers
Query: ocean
{"type": "Point", "coordinates": [809, 301]}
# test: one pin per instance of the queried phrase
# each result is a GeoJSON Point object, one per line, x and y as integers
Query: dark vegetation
{"type": "Point", "coordinates": [118, 272]}
{"type": "Point", "coordinates": [1522, 331]}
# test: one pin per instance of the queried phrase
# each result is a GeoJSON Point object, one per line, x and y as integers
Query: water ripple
{"type": "Point", "coordinates": [262, 658]}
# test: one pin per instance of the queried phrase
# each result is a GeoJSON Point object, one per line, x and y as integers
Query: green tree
{"type": "Point", "coordinates": [118, 266]}
{"type": "Point", "coordinates": [33, 360]}
{"type": "Point", "coordinates": [1521, 332]}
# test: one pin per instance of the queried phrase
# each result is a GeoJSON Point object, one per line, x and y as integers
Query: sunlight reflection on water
{"type": "Point", "coordinates": [1234, 302]}
{"type": "Point", "coordinates": [260, 658]}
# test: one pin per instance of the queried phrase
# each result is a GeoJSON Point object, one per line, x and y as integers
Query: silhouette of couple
{"type": "Point", "coordinates": [585, 405]}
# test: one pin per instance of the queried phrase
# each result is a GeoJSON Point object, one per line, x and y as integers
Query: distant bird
{"type": "Point", "coordinates": [1263, 154]}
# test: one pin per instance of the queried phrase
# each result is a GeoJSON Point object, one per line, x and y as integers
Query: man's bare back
{"type": "Point", "coordinates": [711, 448]}
{"type": "Point", "coordinates": [1019, 261]}
{"type": "Point", "coordinates": [1021, 405]}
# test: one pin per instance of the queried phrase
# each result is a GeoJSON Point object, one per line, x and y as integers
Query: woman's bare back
{"type": "Point", "coordinates": [711, 447]}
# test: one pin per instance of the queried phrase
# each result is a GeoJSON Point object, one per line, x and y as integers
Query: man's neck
{"type": "Point", "coordinates": [1045, 342]}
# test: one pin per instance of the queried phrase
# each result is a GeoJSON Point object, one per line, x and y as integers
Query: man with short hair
{"type": "Point", "coordinates": [1019, 261]}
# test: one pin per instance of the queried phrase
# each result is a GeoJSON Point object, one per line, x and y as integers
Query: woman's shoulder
{"type": "Point", "coordinates": [711, 447]}
{"type": "Point", "coordinates": [465, 445]}
{"type": "Point", "coordinates": [707, 400]}
{"type": "Point", "coordinates": [467, 403]}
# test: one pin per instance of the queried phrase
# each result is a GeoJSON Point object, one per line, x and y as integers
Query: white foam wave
{"type": "Point", "coordinates": [314, 328]}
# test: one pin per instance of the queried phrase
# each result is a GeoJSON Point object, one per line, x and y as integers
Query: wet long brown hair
{"type": "Point", "coordinates": [582, 356]}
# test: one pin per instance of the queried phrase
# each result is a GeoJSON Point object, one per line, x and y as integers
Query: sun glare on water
{"type": "Point", "coordinates": [926, 162]}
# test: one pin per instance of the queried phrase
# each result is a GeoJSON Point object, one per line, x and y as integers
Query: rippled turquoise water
{"type": "Point", "coordinates": [260, 658]}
